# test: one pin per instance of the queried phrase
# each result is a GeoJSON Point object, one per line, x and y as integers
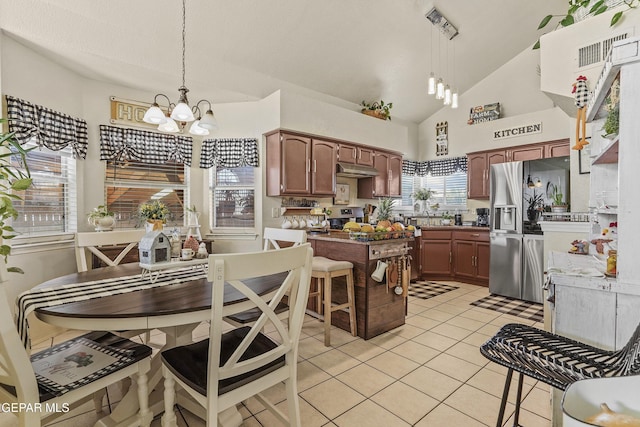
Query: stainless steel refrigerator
{"type": "Point", "coordinates": [516, 260]}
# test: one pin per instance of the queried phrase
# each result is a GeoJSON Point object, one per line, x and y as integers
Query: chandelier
{"type": "Point", "coordinates": [178, 115]}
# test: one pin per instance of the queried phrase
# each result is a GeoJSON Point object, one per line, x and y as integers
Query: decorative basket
{"type": "Point", "coordinates": [363, 236]}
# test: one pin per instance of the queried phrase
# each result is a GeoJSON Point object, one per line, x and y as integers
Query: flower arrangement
{"type": "Point", "coordinates": [535, 201]}
{"type": "Point", "coordinates": [154, 211]}
{"type": "Point", "coordinates": [422, 194]}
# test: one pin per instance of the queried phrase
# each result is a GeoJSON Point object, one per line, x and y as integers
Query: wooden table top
{"type": "Point", "coordinates": [187, 297]}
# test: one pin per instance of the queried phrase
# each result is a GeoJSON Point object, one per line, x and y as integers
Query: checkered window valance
{"type": "Point", "coordinates": [120, 144]}
{"type": "Point", "coordinates": [435, 167]}
{"type": "Point", "coordinates": [50, 128]}
{"type": "Point", "coordinates": [229, 153]}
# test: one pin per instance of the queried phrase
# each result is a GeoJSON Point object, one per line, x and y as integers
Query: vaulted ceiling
{"type": "Point", "coordinates": [240, 50]}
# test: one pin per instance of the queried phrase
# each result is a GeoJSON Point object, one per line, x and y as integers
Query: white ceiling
{"type": "Point", "coordinates": [239, 50]}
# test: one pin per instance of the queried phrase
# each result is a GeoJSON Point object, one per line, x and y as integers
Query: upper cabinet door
{"type": "Point", "coordinates": [560, 148]}
{"type": "Point", "coordinates": [364, 156]}
{"type": "Point", "coordinates": [323, 168]}
{"type": "Point", "coordinates": [476, 176]}
{"type": "Point", "coordinates": [395, 175]}
{"type": "Point", "coordinates": [347, 153]}
{"type": "Point", "coordinates": [526, 153]}
{"type": "Point", "coordinates": [296, 164]}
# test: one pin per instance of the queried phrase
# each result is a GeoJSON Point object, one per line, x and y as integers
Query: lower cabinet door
{"type": "Point", "coordinates": [464, 259]}
{"type": "Point", "coordinates": [482, 261]}
{"type": "Point", "coordinates": [436, 257]}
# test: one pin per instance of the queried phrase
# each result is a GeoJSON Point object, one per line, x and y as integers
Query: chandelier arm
{"type": "Point", "coordinates": [155, 99]}
{"type": "Point", "coordinates": [194, 109]}
{"type": "Point", "coordinates": [203, 100]}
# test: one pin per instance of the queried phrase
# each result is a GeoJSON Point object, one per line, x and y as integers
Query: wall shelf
{"type": "Point", "coordinates": [608, 155]}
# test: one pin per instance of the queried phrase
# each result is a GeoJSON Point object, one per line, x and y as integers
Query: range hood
{"type": "Point", "coordinates": [349, 170]}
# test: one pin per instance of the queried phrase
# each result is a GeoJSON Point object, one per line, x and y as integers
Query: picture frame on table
{"type": "Point", "coordinates": [342, 194]}
{"type": "Point", "coordinates": [584, 160]}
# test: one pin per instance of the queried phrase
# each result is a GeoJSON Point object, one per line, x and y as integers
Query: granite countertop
{"type": "Point", "coordinates": [453, 228]}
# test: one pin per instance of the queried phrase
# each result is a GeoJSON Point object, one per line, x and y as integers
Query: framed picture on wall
{"type": "Point", "coordinates": [342, 194]}
{"type": "Point", "coordinates": [584, 160]}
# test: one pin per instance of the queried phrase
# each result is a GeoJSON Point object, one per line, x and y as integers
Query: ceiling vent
{"type": "Point", "coordinates": [596, 52]}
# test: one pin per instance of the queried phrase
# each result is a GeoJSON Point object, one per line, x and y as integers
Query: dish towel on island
{"type": "Point", "coordinates": [33, 299]}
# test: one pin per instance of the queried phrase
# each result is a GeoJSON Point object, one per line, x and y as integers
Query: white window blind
{"type": "Point", "coordinates": [130, 183]}
{"type": "Point", "coordinates": [451, 190]}
{"type": "Point", "coordinates": [232, 197]}
{"type": "Point", "coordinates": [49, 206]}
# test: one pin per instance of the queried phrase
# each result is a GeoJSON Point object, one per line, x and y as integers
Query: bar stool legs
{"type": "Point", "coordinates": [325, 270]}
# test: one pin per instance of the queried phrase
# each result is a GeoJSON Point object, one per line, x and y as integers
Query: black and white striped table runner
{"type": "Point", "coordinates": [32, 299]}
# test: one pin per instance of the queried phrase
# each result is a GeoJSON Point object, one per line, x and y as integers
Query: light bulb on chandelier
{"type": "Point", "coordinates": [181, 113]}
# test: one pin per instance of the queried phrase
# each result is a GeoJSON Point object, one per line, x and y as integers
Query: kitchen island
{"type": "Point", "coordinates": [378, 308]}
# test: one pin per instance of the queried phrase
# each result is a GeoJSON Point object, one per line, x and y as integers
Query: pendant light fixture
{"type": "Point", "coordinates": [181, 113]}
{"type": "Point", "coordinates": [440, 83]}
{"type": "Point", "coordinates": [443, 91]}
{"type": "Point", "coordinates": [431, 84]}
{"type": "Point", "coordinates": [454, 95]}
{"type": "Point", "coordinates": [447, 89]}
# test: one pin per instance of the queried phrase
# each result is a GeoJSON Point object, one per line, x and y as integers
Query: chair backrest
{"type": "Point", "coordinates": [272, 236]}
{"type": "Point", "coordinates": [294, 264]}
{"type": "Point", "coordinates": [94, 242]}
{"type": "Point", "coordinates": [16, 372]}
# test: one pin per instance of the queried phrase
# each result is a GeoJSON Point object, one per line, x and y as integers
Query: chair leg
{"type": "Point", "coordinates": [293, 404]}
{"type": "Point", "coordinates": [145, 414]}
{"type": "Point", "coordinates": [516, 414]}
{"type": "Point", "coordinates": [169, 416]}
{"type": "Point", "coordinates": [505, 394]}
{"type": "Point", "coordinates": [327, 309]}
{"type": "Point", "coordinates": [352, 305]}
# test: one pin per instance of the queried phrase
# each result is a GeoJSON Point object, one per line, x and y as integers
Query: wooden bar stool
{"type": "Point", "coordinates": [326, 269]}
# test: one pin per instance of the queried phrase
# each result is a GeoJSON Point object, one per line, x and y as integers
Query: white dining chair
{"type": "Point", "coordinates": [96, 242]}
{"type": "Point", "coordinates": [273, 238]}
{"type": "Point", "coordinates": [226, 369]}
{"type": "Point", "coordinates": [19, 383]}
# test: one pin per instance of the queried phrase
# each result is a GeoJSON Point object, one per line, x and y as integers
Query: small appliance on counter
{"type": "Point", "coordinates": [458, 219]}
{"type": "Point", "coordinates": [340, 217]}
{"type": "Point", "coordinates": [483, 217]}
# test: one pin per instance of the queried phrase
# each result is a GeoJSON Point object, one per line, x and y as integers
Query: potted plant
{"type": "Point", "coordinates": [422, 196]}
{"type": "Point", "coordinates": [155, 214]}
{"type": "Point", "coordinates": [535, 204]}
{"type": "Point", "coordinates": [446, 218]}
{"type": "Point", "coordinates": [377, 109]}
{"type": "Point", "coordinates": [101, 218]}
{"type": "Point", "coordinates": [11, 180]}
{"type": "Point", "coordinates": [611, 124]}
{"type": "Point", "coordinates": [581, 9]}
{"type": "Point", "coordinates": [557, 200]}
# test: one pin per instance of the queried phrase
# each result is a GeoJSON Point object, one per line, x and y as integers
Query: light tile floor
{"type": "Point", "coordinates": [428, 372]}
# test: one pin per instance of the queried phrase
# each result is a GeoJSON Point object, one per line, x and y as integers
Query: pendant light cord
{"type": "Point", "coordinates": [184, 14]}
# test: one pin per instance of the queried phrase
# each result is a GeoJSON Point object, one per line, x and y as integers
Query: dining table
{"type": "Point", "coordinates": [173, 308]}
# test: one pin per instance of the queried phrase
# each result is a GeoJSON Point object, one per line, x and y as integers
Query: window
{"type": "Point", "coordinates": [232, 197]}
{"type": "Point", "coordinates": [451, 190]}
{"type": "Point", "coordinates": [49, 206]}
{"type": "Point", "coordinates": [130, 183]}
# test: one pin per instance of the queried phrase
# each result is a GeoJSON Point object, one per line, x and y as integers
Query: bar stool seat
{"type": "Point", "coordinates": [326, 269]}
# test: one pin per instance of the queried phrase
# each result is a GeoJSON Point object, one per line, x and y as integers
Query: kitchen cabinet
{"type": "Point", "coordinates": [388, 182]}
{"type": "Point", "coordinates": [348, 153]}
{"type": "Point", "coordinates": [455, 253]}
{"type": "Point", "coordinates": [300, 165]}
{"type": "Point", "coordinates": [478, 167]}
{"type": "Point", "coordinates": [436, 255]}
{"type": "Point", "coordinates": [519, 154]}
{"type": "Point", "coordinates": [479, 163]}
{"type": "Point", "coordinates": [471, 257]}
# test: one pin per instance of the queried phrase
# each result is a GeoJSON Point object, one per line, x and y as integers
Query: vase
{"type": "Point", "coordinates": [154, 225]}
{"type": "Point", "coordinates": [533, 214]}
{"type": "Point", "coordinates": [104, 223]}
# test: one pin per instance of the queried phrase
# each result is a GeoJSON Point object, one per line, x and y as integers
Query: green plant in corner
{"type": "Point", "coordinates": [12, 179]}
{"type": "Point", "coordinates": [611, 124]}
{"type": "Point", "coordinates": [591, 8]}
{"type": "Point", "coordinates": [377, 109]}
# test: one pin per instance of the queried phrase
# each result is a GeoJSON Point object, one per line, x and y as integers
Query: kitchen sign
{"type": "Point", "coordinates": [484, 113]}
{"type": "Point", "coordinates": [517, 131]}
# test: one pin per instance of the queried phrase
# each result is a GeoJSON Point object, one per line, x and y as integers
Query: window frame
{"type": "Point", "coordinates": [212, 186]}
